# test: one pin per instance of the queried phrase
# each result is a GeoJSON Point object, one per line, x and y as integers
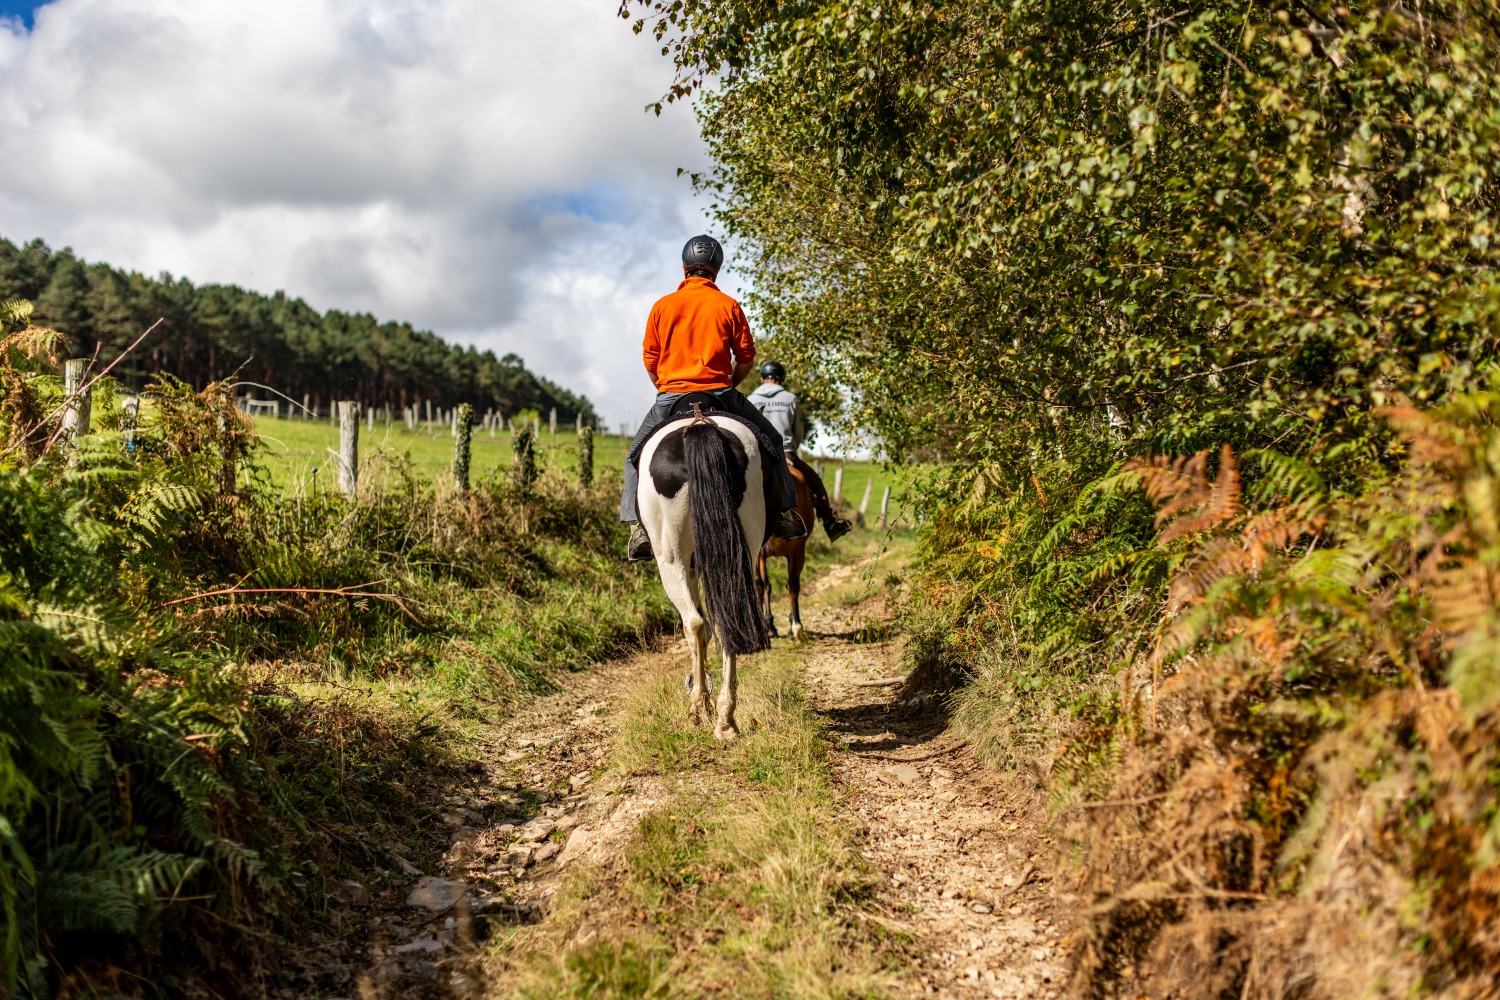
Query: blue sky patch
{"type": "Point", "coordinates": [597, 204]}
{"type": "Point", "coordinates": [24, 9]}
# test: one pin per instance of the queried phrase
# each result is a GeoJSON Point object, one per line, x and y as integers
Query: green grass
{"type": "Point", "coordinates": [747, 879]}
{"type": "Point", "coordinates": [293, 448]}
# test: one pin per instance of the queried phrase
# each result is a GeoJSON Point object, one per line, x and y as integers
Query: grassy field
{"type": "Point", "coordinates": [299, 457]}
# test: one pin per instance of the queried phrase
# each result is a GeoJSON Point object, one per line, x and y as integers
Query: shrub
{"type": "Point", "coordinates": [163, 782]}
{"type": "Point", "coordinates": [1312, 750]}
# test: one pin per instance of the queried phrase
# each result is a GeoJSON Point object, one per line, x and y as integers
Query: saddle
{"type": "Point", "coordinates": [682, 409]}
{"type": "Point", "coordinates": [706, 400]}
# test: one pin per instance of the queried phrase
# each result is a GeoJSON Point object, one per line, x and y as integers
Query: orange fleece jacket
{"type": "Point", "coordinates": [694, 337]}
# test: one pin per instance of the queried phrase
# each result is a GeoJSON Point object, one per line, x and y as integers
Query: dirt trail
{"type": "Point", "coordinates": [530, 812]}
{"type": "Point", "coordinates": [963, 872]}
{"type": "Point", "coordinates": [963, 864]}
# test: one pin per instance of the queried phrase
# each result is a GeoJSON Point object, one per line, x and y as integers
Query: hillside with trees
{"type": "Point", "coordinates": [212, 332]}
{"type": "Point", "coordinates": [1196, 305]}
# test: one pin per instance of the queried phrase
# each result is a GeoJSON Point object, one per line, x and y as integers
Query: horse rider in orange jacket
{"type": "Point", "coordinates": [698, 341]}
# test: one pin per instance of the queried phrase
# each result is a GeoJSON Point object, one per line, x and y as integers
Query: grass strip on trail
{"type": "Point", "coordinates": [744, 878]}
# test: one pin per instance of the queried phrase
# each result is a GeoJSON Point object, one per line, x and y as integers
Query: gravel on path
{"type": "Point", "coordinates": [963, 864]}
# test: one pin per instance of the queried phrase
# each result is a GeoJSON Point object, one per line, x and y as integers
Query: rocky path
{"type": "Point", "coordinates": [964, 870]}
{"type": "Point", "coordinates": [964, 867]}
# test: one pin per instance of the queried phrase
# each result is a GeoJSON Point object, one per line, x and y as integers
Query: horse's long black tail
{"type": "Point", "coordinates": [720, 553]}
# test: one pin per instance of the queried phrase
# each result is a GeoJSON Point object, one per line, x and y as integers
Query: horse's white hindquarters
{"type": "Point", "coordinates": [672, 463]}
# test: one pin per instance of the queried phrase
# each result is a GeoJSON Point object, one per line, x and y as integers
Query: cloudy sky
{"type": "Point", "coordinates": [480, 168]}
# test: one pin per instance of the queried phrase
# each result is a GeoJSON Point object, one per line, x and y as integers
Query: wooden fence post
{"type": "Point", "coordinates": [579, 421]}
{"type": "Point", "coordinates": [838, 484]}
{"type": "Point", "coordinates": [552, 421]}
{"type": "Point", "coordinates": [864, 504]}
{"type": "Point", "coordinates": [370, 420]}
{"type": "Point", "coordinates": [79, 405]}
{"type": "Point", "coordinates": [523, 448]}
{"type": "Point", "coordinates": [348, 413]}
{"type": "Point", "coordinates": [463, 426]}
{"type": "Point", "coordinates": [227, 476]}
{"type": "Point", "coordinates": [306, 409]}
{"type": "Point", "coordinates": [585, 456]}
{"type": "Point", "coordinates": [885, 507]}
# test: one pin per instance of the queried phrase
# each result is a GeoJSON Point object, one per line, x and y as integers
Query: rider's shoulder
{"type": "Point", "coordinates": [771, 390]}
{"type": "Point", "coordinates": [722, 297]}
{"type": "Point", "coordinates": [696, 290]}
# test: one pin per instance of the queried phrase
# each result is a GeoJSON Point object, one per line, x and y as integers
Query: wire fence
{"type": "Point", "coordinates": [302, 456]}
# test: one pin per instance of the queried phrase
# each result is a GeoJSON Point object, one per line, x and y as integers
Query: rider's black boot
{"type": "Point", "coordinates": [837, 527]}
{"type": "Point", "coordinates": [790, 525]}
{"type": "Point", "coordinates": [639, 547]}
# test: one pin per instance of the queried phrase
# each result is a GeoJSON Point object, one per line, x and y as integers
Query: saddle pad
{"type": "Point", "coordinates": [770, 449]}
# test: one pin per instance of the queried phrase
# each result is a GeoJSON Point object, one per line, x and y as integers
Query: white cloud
{"type": "Point", "coordinates": [482, 169]}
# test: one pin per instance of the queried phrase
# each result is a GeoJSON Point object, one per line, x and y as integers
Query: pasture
{"type": "Point", "coordinates": [299, 457]}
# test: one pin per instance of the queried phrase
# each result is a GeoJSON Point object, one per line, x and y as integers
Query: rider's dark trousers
{"type": "Point", "coordinates": [733, 402]}
{"type": "Point", "coordinates": [815, 487]}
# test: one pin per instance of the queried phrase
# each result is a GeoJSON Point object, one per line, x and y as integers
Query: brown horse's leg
{"type": "Point", "coordinates": [794, 562]}
{"type": "Point", "coordinates": [763, 588]}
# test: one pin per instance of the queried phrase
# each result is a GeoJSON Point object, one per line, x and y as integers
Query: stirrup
{"type": "Point", "coordinates": [638, 549]}
{"type": "Point", "coordinates": [790, 525]}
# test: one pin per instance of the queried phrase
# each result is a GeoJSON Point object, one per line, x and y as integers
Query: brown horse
{"type": "Point", "coordinates": [794, 551]}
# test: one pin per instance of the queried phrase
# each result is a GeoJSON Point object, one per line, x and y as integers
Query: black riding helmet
{"type": "Point", "coordinates": [773, 371]}
{"type": "Point", "coordinates": [703, 251]}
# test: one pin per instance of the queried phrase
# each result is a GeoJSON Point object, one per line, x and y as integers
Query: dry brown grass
{"type": "Point", "coordinates": [1305, 806]}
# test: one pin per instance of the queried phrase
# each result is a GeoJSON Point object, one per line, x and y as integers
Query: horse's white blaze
{"type": "Point", "coordinates": [669, 522]}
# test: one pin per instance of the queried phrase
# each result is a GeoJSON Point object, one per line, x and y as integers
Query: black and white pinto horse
{"type": "Point", "coordinates": [703, 501]}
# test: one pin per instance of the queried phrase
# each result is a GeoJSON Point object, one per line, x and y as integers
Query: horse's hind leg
{"type": "Point", "coordinates": [794, 562]}
{"type": "Point", "coordinates": [698, 691]}
{"type": "Point", "coordinates": [725, 729]}
{"type": "Point", "coordinates": [682, 589]}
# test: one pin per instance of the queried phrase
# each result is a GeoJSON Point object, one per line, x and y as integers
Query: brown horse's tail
{"type": "Point", "coordinates": [721, 555]}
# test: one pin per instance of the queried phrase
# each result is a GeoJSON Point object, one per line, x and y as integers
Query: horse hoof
{"type": "Point", "coordinates": [797, 631]}
{"type": "Point", "coordinates": [726, 733]}
{"type": "Point", "coordinates": [699, 711]}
